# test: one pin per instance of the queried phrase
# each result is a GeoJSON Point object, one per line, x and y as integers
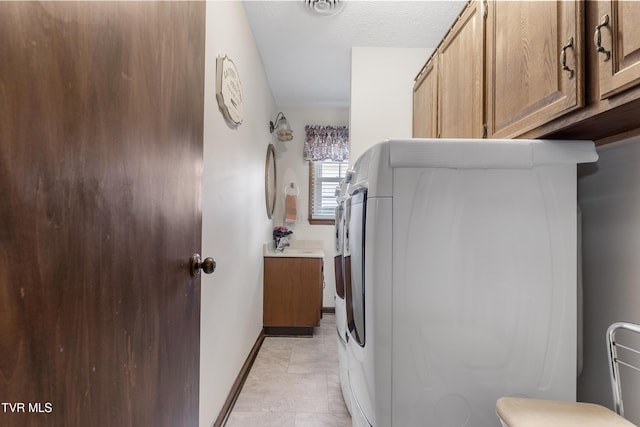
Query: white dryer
{"type": "Point", "coordinates": [339, 298]}
{"type": "Point", "coordinates": [462, 270]}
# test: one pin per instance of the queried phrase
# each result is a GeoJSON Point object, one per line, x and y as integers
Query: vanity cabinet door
{"type": "Point", "coordinates": [534, 63]}
{"type": "Point", "coordinates": [292, 292]}
{"type": "Point", "coordinates": [617, 36]}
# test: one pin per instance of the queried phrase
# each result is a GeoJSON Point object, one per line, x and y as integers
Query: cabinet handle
{"type": "Point", "coordinates": [563, 57]}
{"type": "Point", "coordinates": [597, 40]}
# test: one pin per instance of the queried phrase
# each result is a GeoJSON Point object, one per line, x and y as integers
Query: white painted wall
{"type": "Point", "coordinates": [609, 195]}
{"type": "Point", "coordinates": [382, 94]}
{"type": "Point", "coordinates": [234, 220]}
{"type": "Point", "coordinates": [291, 167]}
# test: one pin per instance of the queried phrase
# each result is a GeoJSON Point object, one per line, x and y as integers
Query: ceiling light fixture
{"type": "Point", "coordinates": [282, 128]}
{"type": "Point", "coordinates": [324, 7]}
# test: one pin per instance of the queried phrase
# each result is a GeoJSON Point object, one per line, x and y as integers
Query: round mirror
{"type": "Point", "coordinates": [270, 184]}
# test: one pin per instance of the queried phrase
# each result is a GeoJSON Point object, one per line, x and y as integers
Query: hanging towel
{"type": "Point", "coordinates": [290, 203]}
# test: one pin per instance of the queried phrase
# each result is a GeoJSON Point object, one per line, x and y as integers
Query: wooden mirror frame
{"type": "Point", "coordinates": [270, 191]}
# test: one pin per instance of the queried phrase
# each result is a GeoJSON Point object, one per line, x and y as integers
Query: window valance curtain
{"type": "Point", "coordinates": [326, 143]}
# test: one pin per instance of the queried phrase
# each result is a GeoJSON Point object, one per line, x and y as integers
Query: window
{"type": "Point", "coordinates": [327, 150]}
{"type": "Point", "coordinates": [324, 177]}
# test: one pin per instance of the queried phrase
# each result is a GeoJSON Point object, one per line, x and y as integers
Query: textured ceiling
{"type": "Point", "coordinates": [308, 58]}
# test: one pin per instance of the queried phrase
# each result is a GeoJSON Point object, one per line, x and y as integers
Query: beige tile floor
{"type": "Point", "coordinates": [294, 382]}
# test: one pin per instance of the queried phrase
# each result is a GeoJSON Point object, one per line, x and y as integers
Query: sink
{"type": "Point", "coordinates": [298, 251]}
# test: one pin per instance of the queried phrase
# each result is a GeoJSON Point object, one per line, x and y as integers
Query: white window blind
{"type": "Point", "coordinates": [324, 177]}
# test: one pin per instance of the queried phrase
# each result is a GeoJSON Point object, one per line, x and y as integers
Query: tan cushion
{"type": "Point", "coordinates": [523, 412]}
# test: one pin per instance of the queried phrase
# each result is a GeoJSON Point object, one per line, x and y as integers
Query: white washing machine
{"type": "Point", "coordinates": [339, 298]}
{"type": "Point", "coordinates": [462, 267]}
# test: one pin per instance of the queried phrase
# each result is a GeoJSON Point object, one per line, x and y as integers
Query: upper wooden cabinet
{"type": "Point", "coordinates": [617, 40]}
{"type": "Point", "coordinates": [461, 77]}
{"type": "Point", "coordinates": [613, 85]}
{"type": "Point", "coordinates": [566, 69]}
{"type": "Point", "coordinates": [425, 101]}
{"type": "Point", "coordinates": [534, 63]}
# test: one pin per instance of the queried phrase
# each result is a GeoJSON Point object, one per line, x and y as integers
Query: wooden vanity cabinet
{"type": "Point", "coordinates": [292, 294]}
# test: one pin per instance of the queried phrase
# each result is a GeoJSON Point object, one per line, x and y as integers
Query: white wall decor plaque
{"type": "Point", "coordinates": [229, 91]}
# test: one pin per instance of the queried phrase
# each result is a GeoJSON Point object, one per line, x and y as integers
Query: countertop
{"type": "Point", "coordinates": [296, 249]}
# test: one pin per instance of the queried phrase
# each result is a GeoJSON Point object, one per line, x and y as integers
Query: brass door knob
{"type": "Point", "coordinates": [208, 265]}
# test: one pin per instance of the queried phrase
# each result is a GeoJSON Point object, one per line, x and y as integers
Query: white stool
{"type": "Point", "coordinates": [524, 412]}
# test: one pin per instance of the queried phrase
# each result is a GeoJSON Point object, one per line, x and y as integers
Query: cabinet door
{"type": "Point", "coordinates": [425, 101]}
{"type": "Point", "coordinates": [619, 58]}
{"type": "Point", "coordinates": [461, 77]}
{"type": "Point", "coordinates": [292, 292]}
{"type": "Point", "coordinates": [534, 63]}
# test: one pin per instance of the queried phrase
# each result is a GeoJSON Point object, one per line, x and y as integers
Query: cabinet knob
{"type": "Point", "coordinates": [597, 39]}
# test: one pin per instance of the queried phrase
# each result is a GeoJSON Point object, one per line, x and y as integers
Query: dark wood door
{"type": "Point", "coordinates": [101, 121]}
